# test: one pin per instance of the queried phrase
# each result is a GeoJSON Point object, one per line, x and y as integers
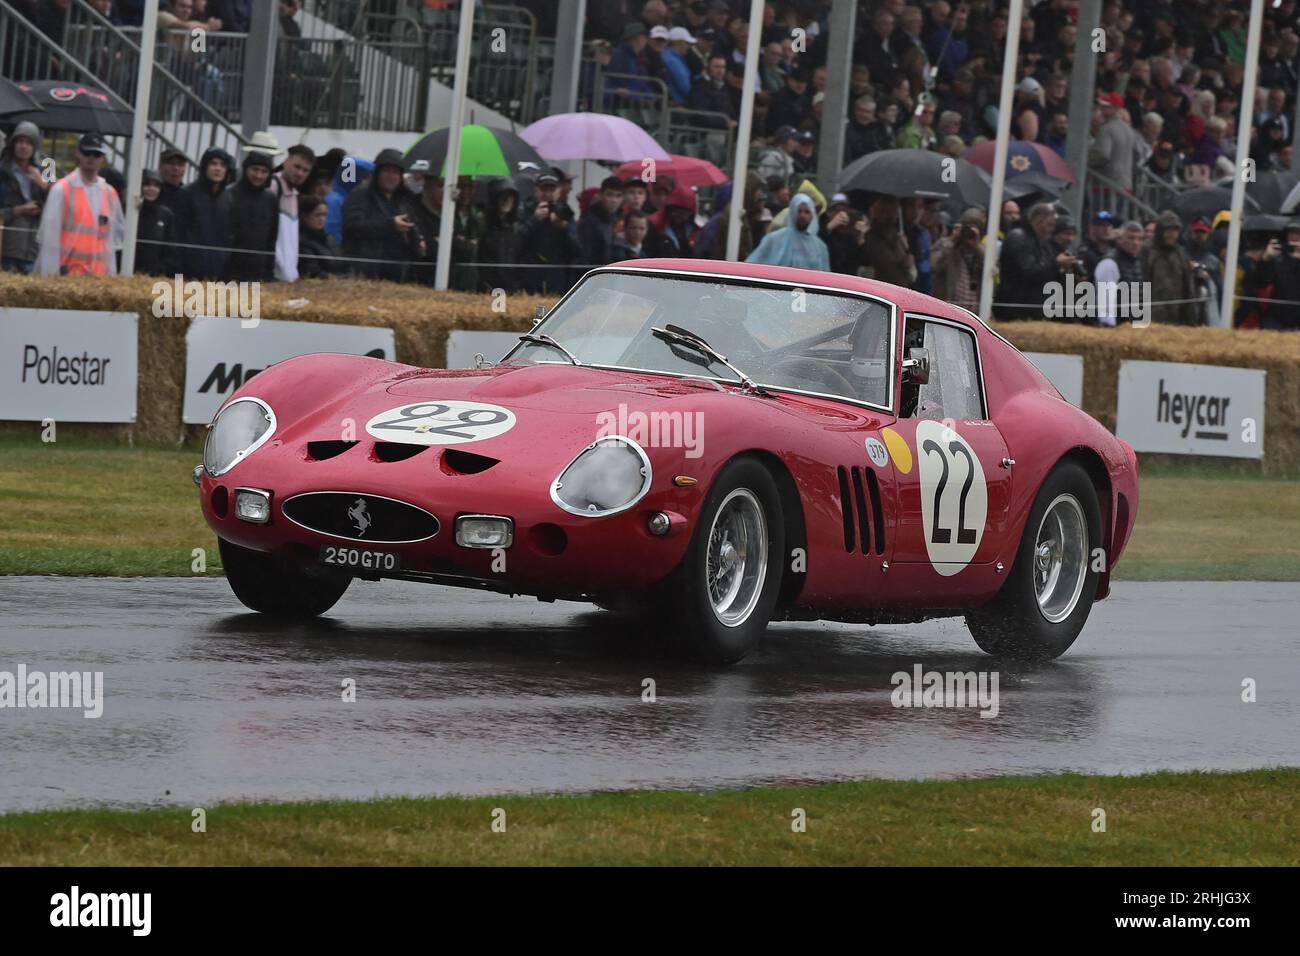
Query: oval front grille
{"type": "Point", "coordinates": [361, 517]}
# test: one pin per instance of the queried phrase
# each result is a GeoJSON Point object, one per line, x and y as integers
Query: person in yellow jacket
{"type": "Point", "coordinates": [82, 225]}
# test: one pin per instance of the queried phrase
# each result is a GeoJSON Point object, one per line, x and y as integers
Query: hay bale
{"type": "Point", "coordinates": [421, 319]}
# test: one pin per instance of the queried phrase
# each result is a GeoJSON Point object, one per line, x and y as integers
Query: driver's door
{"type": "Point", "coordinates": [950, 460]}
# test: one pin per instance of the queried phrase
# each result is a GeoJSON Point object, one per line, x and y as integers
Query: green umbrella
{"type": "Point", "coordinates": [484, 151]}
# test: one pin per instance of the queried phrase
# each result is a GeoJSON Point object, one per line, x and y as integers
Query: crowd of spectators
{"type": "Point", "coordinates": [925, 75]}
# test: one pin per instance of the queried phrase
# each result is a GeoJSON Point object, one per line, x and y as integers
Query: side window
{"type": "Point", "coordinates": [953, 390]}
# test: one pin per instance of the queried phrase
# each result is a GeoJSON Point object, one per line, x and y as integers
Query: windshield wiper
{"type": "Point", "coordinates": [547, 340]}
{"type": "Point", "coordinates": [675, 334]}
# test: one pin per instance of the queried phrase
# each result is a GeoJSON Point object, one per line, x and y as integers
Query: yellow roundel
{"type": "Point", "coordinates": [898, 450]}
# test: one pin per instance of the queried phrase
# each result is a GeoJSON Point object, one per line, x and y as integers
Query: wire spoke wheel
{"type": "Point", "coordinates": [1060, 558]}
{"type": "Point", "coordinates": [736, 559]}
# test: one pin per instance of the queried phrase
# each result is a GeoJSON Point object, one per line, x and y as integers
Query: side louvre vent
{"type": "Point", "coordinates": [877, 512]}
{"type": "Point", "coordinates": [864, 518]}
{"type": "Point", "coordinates": [846, 507]}
{"type": "Point", "coordinates": [860, 491]}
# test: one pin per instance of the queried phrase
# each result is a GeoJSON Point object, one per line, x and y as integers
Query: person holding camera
{"type": "Point", "coordinates": [549, 239]}
{"type": "Point", "coordinates": [22, 193]}
{"type": "Point", "coordinates": [844, 230]}
{"type": "Point", "coordinates": [958, 262]}
{"type": "Point", "coordinates": [1283, 313]}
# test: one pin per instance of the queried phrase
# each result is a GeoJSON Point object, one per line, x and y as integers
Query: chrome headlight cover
{"type": "Point", "coordinates": [610, 475]}
{"type": "Point", "coordinates": [239, 429]}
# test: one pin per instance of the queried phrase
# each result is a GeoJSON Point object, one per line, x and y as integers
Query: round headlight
{"type": "Point", "coordinates": [239, 430]}
{"type": "Point", "coordinates": [610, 475]}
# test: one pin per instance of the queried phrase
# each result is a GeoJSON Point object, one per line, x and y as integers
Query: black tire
{"type": "Point", "coordinates": [1013, 625]}
{"type": "Point", "coordinates": [687, 608]}
{"type": "Point", "coordinates": [270, 586]}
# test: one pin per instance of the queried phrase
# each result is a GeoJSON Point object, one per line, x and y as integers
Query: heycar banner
{"type": "Point", "coordinates": [223, 354]}
{"type": "Point", "coordinates": [1063, 371]}
{"type": "Point", "coordinates": [1191, 409]}
{"type": "Point", "coordinates": [67, 365]}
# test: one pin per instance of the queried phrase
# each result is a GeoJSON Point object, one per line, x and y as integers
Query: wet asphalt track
{"type": "Point", "coordinates": [462, 692]}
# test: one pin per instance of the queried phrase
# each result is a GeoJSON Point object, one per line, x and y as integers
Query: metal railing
{"type": "Point", "coordinates": [642, 99]}
{"type": "Point", "coordinates": [178, 118]}
{"type": "Point", "coordinates": [1155, 192]}
{"type": "Point", "coordinates": [504, 58]}
{"type": "Point", "coordinates": [345, 83]}
{"type": "Point", "coordinates": [1107, 194]}
{"type": "Point", "coordinates": [702, 134]}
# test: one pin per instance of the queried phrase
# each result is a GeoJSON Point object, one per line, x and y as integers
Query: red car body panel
{"type": "Point", "coordinates": [807, 439]}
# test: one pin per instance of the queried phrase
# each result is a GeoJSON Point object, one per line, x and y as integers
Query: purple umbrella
{"type": "Point", "coordinates": [591, 136]}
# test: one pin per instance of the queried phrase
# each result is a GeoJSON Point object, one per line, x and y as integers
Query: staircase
{"type": "Point", "coordinates": [97, 54]}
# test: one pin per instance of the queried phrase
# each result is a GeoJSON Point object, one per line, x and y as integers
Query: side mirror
{"type": "Point", "coordinates": [916, 367]}
{"type": "Point", "coordinates": [539, 313]}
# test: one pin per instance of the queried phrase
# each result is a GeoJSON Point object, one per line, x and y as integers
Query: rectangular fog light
{"type": "Point", "coordinates": [253, 505]}
{"type": "Point", "coordinates": [485, 531]}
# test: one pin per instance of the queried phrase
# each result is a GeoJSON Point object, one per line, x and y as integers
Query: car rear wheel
{"type": "Point", "coordinates": [722, 596]}
{"type": "Point", "coordinates": [1047, 597]}
{"type": "Point", "coordinates": [282, 589]}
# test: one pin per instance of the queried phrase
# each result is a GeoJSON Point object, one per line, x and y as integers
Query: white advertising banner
{"type": "Point", "coordinates": [222, 354]}
{"type": "Point", "coordinates": [1185, 409]}
{"type": "Point", "coordinates": [1063, 371]}
{"type": "Point", "coordinates": [68, 365]}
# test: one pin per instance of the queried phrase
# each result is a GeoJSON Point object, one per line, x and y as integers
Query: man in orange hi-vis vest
{"type": "Point", "coordinates": [82, 223]}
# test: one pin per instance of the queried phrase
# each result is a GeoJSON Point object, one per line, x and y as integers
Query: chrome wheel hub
{"type": "Point", "coordinates": [736, 559]}
{"type": "Point", "coordinates": [1060, 558]}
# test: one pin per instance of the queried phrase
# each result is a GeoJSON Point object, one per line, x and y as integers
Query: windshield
{"type": "Point", "coordinates": [781, 337]}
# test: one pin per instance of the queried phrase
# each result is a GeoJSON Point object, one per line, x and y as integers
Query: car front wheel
{"type": "Point", "coordinates": [1052, 585]}
{"type": "Point", "coordinates": [723, 595]}
{"type": "Point", "coordinates": [266, 584]}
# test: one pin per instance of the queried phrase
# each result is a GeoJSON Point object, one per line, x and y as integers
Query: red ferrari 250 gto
{"type": "Point", "coordinates": [708, 445]}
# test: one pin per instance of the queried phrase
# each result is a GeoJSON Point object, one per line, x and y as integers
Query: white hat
{"type": "Point", "coordinates": [1030, 85]}
{"type": "Point", "coordinates": [659, 33]}
{"type": "Point", "coordinates": [263, 142]}
{"type": "Point", "coordinates": [678, 33]}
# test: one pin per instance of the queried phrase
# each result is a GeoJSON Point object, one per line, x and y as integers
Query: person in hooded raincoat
{"type": "Point", "coordinates": [797, 244]}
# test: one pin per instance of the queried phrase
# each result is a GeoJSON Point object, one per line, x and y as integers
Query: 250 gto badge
{"type": "Point", "coordinates": [446, 422]}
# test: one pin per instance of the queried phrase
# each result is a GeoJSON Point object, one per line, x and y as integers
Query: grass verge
{"type": "Point", "coordinates": [1165, 819]}
{"type": "Point", "coordinates": [77, 508]}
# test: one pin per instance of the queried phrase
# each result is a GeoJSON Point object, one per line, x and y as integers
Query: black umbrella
{"type": "Point", "coordinates": [14, 100]}
{"type": "Point", "coordinates": [73, 107]}
{"type": "Point", "coordinates": [1270, 188]}
{"type": "Point", "coordinates": [1264, 223]}
{"type": "Point", "coordinates": [1207, 202]}
{"type": "Point", "coordinates": [917, 173]}
{"type": "Point", "coordinates": [484, 151]}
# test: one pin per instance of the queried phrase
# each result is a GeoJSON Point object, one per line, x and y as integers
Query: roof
{"type": "Point", "coordinates": [907, 299]}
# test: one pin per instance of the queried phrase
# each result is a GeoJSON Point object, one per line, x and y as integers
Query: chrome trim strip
{"type": "Point", "coordinates": [741, 280]}
{"type": "Point", "coordinates": [239, 456]}
{"type": "Point", "coordinates": [437, 525]}
{"type": "Point", "coordinates": [645, 485]}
